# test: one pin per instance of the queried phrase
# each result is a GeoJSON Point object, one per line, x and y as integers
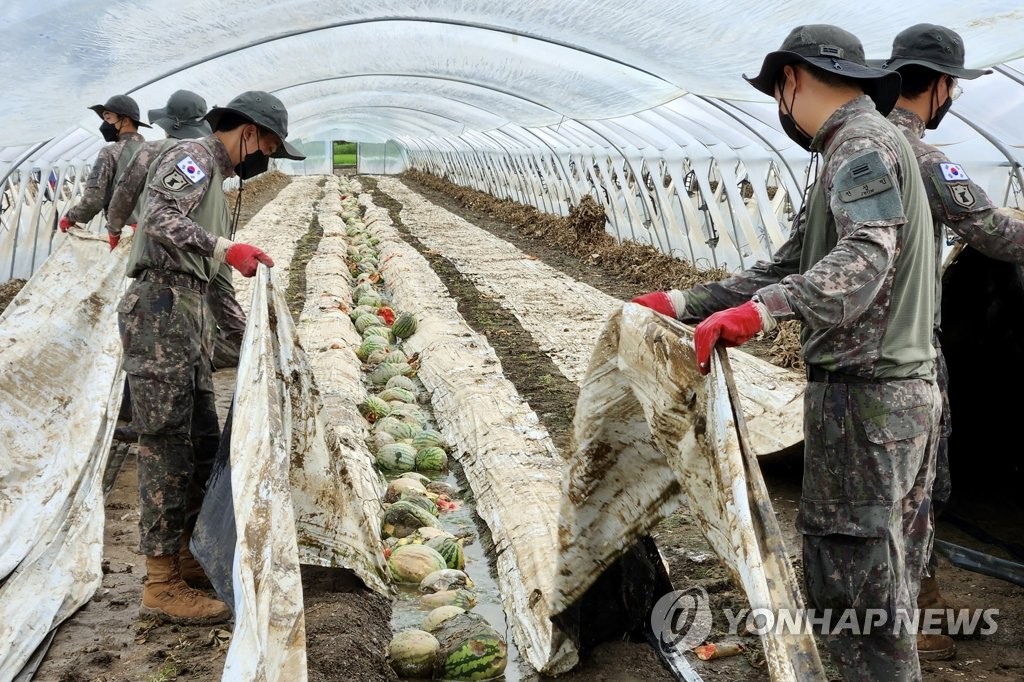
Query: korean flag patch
{"type": "Point", "coordinates": [191, 170]}
{"type": "Point", "coordinates": [953, 172]}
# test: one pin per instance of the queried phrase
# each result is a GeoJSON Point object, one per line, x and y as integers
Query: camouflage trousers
{"type": "Point", "coordinates": [869, 465]}
{"type": "Point", "coordinates": [230, 327]}
{"type": "Point", "coordinates": [166, 335]}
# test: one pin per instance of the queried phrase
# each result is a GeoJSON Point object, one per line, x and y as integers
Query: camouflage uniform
{"type": "Point", "coordinates": [167, 335]}
{"type": "Point", "coordinates": [957, 202]}
{"type": "Point", "coordinates": [852, 272]}
{"type": "Point", "coordinates": [110, 163]}
{"type": "Point", "coordinates": [125, 206]}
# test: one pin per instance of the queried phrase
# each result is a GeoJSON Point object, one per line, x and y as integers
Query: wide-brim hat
{"type": "Point", "coordinates": [831, 49]}
{"type": "Point", "coordinates": [122, 105]}
{"type": "Point", "coordinates": [264, 110]}
{"type": "Point", "coordinates": [934, 47]}
{"type": "Point", "coordinates": [182, 118]}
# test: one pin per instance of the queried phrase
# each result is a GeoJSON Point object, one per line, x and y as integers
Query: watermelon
{"type": "Point", "coordinates": [377, 330]}
{"type": "Point", "coordinates": [362, 290]}
{"type": "Point", "coordinates": [412, 653]}
{"type": "Point", "coordinates": [386, 370]}
{"type": "Point", "coordinates": [470, 649]}
{"type": "Point", "coordinates": [420, 500]}
{"type": "Point", "coordinates": [404, 326]}
{"type": "Point", "coordinates": [405, 518]}
{"type": "Point", "coordinates": [386, 424]}
{"type": "Point", "coordinates": [445, 579]}
{"type": "Point", "coordinates": [464, 599]}
{"type": "Point", "coordinates": [431, 459]}
{"type": "Point", "coordinates": [440, 615]}
{"type": "Point", "coordinates": [373, 408]}
{"type": "Point", "coordinates": [371, 345]}
{"type": "Point", "coordinates": [396, 393]}
{"type": "Point", "coordinates": [402, 485]}
{"type": "Point", "coordinates": [451, 550]}
{"type": "Point", "coordinates": [396, 356]}
{"type": "Point", "coordinates": [371, 299]}
{"type": "Point", "coordinates": [413, 563]}
{"type": "Point", "coordinates": [360, 310]}
{"type": "Point", "coordinates": [364, 321]}
{"type": "Point", "coordinates": [397, 457]}
{"type": "Point", "coordinates": [428, 438]}
{"type": "Point", "coordinates": [441, 487]}
{"type": "Point", "coordinates": [416, 477]}
{"type": "Point", "coordinates": [377, 356]}
{"type": "Point", "coordinates": [399, 381]}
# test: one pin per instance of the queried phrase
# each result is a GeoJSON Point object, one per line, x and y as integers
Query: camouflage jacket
{"type": "Point", "coordinates": [177, 184]}
{"type": "Point", "coordinates": [128, 189]}
{"type": "Point", "coordinates": [100, 184]}
{"type": "Point", "coordinates": [861, 246]}
{"type": "Point", "coordinates": [958, 202]}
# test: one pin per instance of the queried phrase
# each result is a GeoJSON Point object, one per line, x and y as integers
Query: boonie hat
{"type": "Point", "coordinates": [123, 105]}
{"type": "Point", "coordinates": [935, 47]}
{"type": "Point", "coordinates": [182, 118]}
{"type": "Point", "coordinates": [264, 110]}
{"type": "Point", "coordinates": [831, 49]}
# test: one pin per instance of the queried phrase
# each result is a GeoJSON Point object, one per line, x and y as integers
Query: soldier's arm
{"type": "Point", "coordinates": [957, 201]}
{"type": "Point", "coordinates": [865, 201]}
{"type": "Point", "coordinates": [95, 191]}
{"type": "Point", "coordinates": [127, 191]}
{"type": "Point", "coordinates": [704, 299]}
{"type": "Point", "coordinates": [171, 196]}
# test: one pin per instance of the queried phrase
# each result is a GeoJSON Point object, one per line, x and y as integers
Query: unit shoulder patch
{"type": "Point", "coordinates": [191, 170]}
{"type": "Point", "coordinates": [862, 177]}
{"type": "Point", "coordinates": [175, 180]}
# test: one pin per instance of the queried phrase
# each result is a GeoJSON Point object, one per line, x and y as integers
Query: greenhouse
{"type": "Point", "coordinates": [450, 447]}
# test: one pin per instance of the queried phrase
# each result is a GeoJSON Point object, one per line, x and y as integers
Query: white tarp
{"type": "Point", "coordinates": [644, 416]}
{"type": "Point", "coordinates": [60, 388]}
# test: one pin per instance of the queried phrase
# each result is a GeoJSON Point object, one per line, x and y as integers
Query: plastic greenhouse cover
{"type": "Point", "coordinates": [582, 59]}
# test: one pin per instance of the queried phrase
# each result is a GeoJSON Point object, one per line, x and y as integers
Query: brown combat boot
{"type": "Point", "coordinates": [935, 647]}
{"type": "Point", "coordinates": [191, 571]}
{"type": "Point", "coordinates": [930, 600]}
{"type": "Point", "coordinates": [166, 597]}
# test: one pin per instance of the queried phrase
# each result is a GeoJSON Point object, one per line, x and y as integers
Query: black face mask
{"type": "Point", "coordinates": [252, 165]}
{"type": "Point", "coordinates": [802, 139]}
{"type": "Point", "coordinates": [936, 118]}
{"type": "Point", "coordinates": [109, 132]}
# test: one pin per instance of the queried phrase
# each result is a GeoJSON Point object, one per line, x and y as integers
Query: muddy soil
{"type": "Point", "coordinates": [8, 290]}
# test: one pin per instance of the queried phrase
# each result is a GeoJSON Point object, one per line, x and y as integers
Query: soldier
{"type": "Point", "coordinates": [930, 60]}
{"type": "Point", "coordinates": [181, 119]}
{"type": "Point", "coordinates": [857, 271]}
{"type": "Point", "coordinates": [120, 127]}
{"type": "Point", "coordinates": [166, 333]}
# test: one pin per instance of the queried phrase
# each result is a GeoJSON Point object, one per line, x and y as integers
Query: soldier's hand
{"type": "Point", "coordinates": [732, 326]}
{"type": "Point", "coordinates": [671, 303]}
{"type": "Point", "coordinates": [65, 223]}
{"type": "Point", "coordinates": [246, 258]}
{"type": "Point", "coordinates": [113, 239]}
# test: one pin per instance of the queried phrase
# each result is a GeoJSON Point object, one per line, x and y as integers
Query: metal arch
{"type": "Point", "coordinates": [1015, 165]}
{"type": "Point", "coordinates": [356, 22]}
{"type": "Point", "coordinates": [769, 145]}
{"type": "Point", "coordinates": [383, 106]}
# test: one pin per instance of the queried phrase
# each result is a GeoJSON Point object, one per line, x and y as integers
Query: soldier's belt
{"type": "Point", "coordinates": [174, 279]}
{"type": "Point", "coordinates": [822, 376]}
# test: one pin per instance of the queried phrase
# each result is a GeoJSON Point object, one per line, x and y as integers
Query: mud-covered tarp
{"type": "Point", "coordinates": [60, 387]}
{"type": "Point", "coordinates": [289, 493]}
{"type": "Point", "coordinates": [651, 433]}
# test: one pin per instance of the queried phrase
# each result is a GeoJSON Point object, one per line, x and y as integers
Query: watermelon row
{"type": "Point", "coordinates": [454, 643]}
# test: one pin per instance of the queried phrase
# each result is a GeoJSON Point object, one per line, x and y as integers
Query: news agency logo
{"type": "Point", "coordinates": [682, 619]}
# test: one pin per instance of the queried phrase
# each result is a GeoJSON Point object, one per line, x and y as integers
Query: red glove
{"type": "Point", "coordinates": [245, 258]}
{"type": "Point", "coordinates": [669, 303]}
{"type": "Point", "coordinates": [113, 239]}
{"type": "Point", "coordinates": [65, 223]}
{"type": "Point", "coordinates": [734, 326]}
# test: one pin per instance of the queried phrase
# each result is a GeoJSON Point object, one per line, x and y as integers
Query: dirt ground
{"type": "Point", "coordinates": [347, 627]}
{"type": "Point", "coordinates": [8, 290]}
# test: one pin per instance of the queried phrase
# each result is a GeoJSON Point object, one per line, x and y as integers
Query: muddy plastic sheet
{"type": "Point", "coordinates": [60, 388]}
{"type": "Point", "coordinates": [651, 433]}
{"type": "Point", "coordinates": [269, 638]}
{"type": "Point", "coordinates": [507, 455]}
